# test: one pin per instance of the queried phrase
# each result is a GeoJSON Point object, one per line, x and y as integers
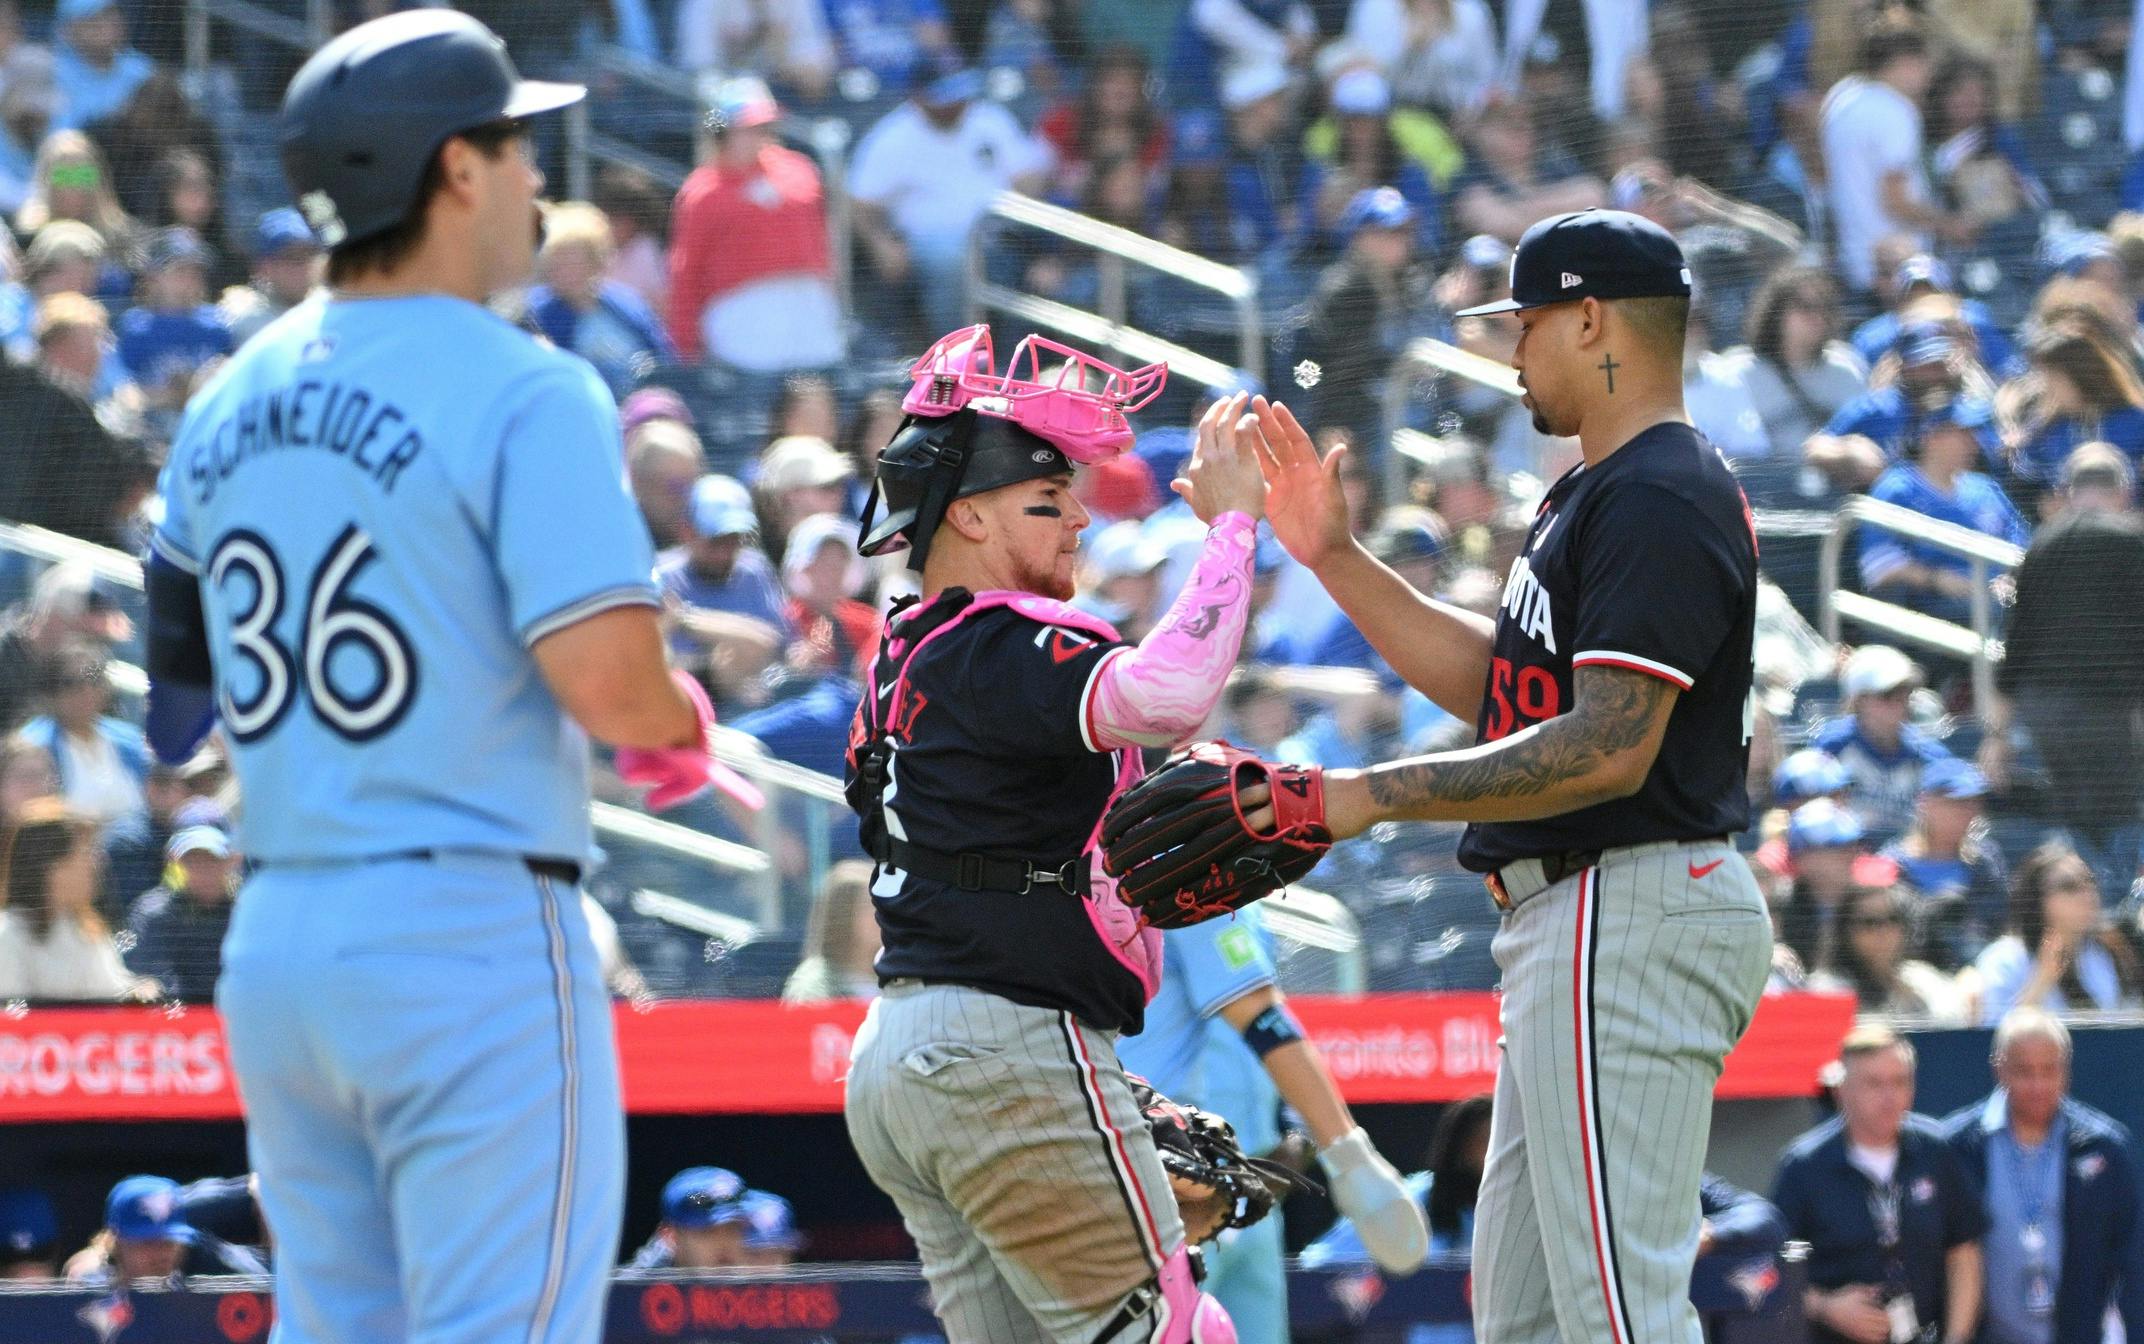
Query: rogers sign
{"type": "Point", "coordinates": [46, 1058]}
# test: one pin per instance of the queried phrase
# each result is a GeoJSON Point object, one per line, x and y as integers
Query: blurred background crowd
{"type": "Point", "coordinates": [1917, 232]}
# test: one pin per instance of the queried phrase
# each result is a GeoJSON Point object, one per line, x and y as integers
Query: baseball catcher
{"type": "Point", "coordinates": [997, 722]}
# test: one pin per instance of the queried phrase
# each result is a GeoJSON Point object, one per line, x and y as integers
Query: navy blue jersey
{"type": "Point", "coordinates": [990, 754]}
{"type": "Point", "coordinates": [1647, 561]}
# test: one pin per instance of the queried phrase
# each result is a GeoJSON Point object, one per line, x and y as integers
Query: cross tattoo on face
{"type": "Point", "coordinates": [1609, 366]}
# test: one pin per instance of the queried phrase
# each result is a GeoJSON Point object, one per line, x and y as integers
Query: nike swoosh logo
{"type": "Point", "coordinates": [1705, 869]}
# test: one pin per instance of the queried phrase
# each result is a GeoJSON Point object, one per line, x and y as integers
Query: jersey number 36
{"type": "Point", "coordinates": [334, 621]}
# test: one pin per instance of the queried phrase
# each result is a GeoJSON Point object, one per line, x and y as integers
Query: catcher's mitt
{"type": "Point", "coordinates": [1216, 1185]}
{"type": "Point", "coordinates": [1181, 850]}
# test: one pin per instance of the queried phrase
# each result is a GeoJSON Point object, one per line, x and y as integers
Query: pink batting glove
{"type": "Point", "coordinates": [673, 774]}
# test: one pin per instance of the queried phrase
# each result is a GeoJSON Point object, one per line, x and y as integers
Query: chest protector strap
{"type": "Point", "coordinates": [888, 704]}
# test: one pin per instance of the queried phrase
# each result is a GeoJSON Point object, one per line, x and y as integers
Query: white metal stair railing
{"type": "Point", "coordinates": [1115, 249]}
{"type": "Point", "coordinates": [1975, 644]}
{"type": "Point", "coordinates": [1437, 357]}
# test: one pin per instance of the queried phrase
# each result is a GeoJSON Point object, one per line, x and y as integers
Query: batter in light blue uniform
{"type": "Point", "coordinates": [399, 566]}
{"type": "Point", "coordinates": [1219, 1035]}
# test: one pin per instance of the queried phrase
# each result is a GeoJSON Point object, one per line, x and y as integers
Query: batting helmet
{"type": "Point", "coordinates": [364, 116]}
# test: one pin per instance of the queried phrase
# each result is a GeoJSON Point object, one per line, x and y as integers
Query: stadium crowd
{"type": "Point", "coordinates": [1917, 234]}
{"type": "Point", "coordinates": [1916, 282]}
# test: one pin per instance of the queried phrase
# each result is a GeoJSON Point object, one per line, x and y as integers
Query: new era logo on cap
{"type": "Point", "coordinates": [1592, 254]}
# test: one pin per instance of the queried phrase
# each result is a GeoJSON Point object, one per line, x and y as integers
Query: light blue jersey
{"type": "Point", "coordinates": [389, 502]}
{"type": "Point", "coordinates": [1190, 1053]}
{"type": "Point", "coordinates": [1205, 967]}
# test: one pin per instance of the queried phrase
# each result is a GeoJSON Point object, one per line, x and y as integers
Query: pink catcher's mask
{"type": "Point", "coordinates": [1054, 405]}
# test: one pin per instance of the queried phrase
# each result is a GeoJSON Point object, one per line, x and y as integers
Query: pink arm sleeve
{"type": "Point", "coordinates": [1158, 692]}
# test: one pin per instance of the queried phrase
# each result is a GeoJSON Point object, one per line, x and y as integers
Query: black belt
{"type": "Point", "coordinates": [981, 872]}
{"type": "Point", "coordinates": [1554, 868]}
{"type": "Point", "coordinates": [558, 870]}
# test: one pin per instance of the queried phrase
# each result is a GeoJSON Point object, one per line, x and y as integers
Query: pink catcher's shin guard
{"type": "Point", "coordinates": [1172, 1310]}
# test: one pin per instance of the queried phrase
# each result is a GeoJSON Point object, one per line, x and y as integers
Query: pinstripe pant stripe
{"type": "Point", "coordinates": [570, 1129]}
{"type": "Point", "coordinates": [1113, 1143]}
{"type": "Point", "coordinates": [1593, 1143]}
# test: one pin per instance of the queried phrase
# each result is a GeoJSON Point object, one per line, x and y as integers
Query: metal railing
{"type": "Point", "coordinates": [615, 826]}
{"type": "Point", "coordinates": [1436, 357]}
{"type": "Point", "coordinates": [1116, 249]}
{"type": "Point", "coordinates": [1976, 645]}
{"type": "Point", "coordinates": [303, 35]}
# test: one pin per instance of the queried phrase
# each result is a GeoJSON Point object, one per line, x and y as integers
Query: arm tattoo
{"type": "Point", "coordinates": [1615, 710]}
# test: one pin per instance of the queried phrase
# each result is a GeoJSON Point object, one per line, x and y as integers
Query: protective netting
{"type": "Point", "coordinates": [1915, 286]}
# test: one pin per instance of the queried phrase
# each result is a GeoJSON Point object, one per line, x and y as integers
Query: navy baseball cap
{"type": "Point", "coordinates": [1592, 254]}
{"type": "Point", "coordinates": [1808, 773]}
{"type": "Point", "coordinates": [705, 1197]}
{"type": "Point", "coordinates": [1954, 779]}
{"type": "Point", "coordinates": [27, 1224]}
{"type": "Point", "coordinates": [146, 1208]}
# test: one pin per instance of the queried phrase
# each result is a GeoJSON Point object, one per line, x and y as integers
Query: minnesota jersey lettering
{"type": "Point", "coordinates": [1527, 603]}
{"type": "Point", "coordinates": [1645, 563]}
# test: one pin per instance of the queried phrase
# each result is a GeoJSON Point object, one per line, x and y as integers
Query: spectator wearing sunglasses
{"type": "Point", "coordinates": [1871, 961]}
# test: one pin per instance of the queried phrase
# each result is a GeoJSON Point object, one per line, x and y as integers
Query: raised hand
{"type": "Point", "coordinates": [1226, 472]}
{"type": "Point", "coordinates": [1304, 501]}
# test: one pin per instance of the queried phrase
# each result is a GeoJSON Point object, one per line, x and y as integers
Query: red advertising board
{"type": "Point", "coordinates": [730, 1056]}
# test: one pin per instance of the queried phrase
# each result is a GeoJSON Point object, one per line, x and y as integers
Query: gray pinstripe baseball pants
{"type": "Point", "coordinates": [1624, 988]}
{"type": "Point", "coordinates": [1008, 1138]}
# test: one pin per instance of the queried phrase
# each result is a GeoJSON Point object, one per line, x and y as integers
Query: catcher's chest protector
{"type": "Point", "coordinates": [887, 713]}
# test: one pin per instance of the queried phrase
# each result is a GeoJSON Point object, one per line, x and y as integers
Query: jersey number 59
{"type": "Point", "coordinates": [334, 620]}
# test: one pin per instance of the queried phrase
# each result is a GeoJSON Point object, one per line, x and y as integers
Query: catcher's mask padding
{"type": "Point", "coordinates": [933, 461]}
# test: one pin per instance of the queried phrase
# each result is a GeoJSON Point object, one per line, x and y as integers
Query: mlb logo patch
{"type": "Point", "coordinates": [1924, 1190]}
{"type": "Point", "coordinates": [2090, 1165]}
